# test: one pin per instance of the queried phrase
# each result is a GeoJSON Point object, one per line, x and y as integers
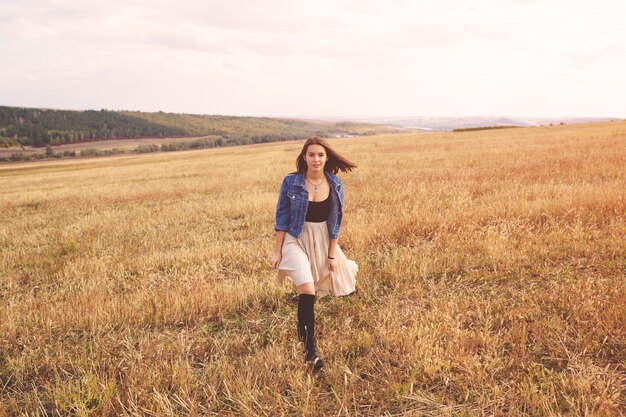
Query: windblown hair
{"type": "Point", "coordinates": [335, 162]}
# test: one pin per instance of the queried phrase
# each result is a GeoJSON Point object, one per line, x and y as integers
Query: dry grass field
{"type": "Point", "coordinates": [492, 281]}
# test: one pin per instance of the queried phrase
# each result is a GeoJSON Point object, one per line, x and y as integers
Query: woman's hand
{"type": "Point", "coordinates": [331, 264]}
{"type": "Point", "coordinates": [275, 261]}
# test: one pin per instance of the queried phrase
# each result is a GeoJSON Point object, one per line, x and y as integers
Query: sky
{"type": "Point", "coordinates": [320, 58]}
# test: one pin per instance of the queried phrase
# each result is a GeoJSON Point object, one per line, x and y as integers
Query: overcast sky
{"type": "Point", "coordinates": [547, 58]}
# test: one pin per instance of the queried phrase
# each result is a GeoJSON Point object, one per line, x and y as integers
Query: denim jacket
{"type": "Point", "coordinates": [293, 202]}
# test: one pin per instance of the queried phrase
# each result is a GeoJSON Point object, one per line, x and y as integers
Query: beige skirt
{"type": "Point", "coordinates": [304, 260]}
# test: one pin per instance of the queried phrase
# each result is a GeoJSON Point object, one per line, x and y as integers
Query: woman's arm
{"type": "Point", "coordinates": [278, 249]}
{"type": "Point", "coordinates": [280, 238]}
{"type": "Point", "coordinates": [331, 264]}
{"type": "Point", "coordinates": [332, 248]}
{"type": "Point", "coordinates": [283, 209]}
{"type": "Point", "coordinates": [282, 224]}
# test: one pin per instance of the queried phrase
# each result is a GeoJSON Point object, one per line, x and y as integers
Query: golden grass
{"type": "Point", "coordinates": [491, 282]}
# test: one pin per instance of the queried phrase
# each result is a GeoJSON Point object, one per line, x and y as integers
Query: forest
{"type": "Point", "coordinates": [40, 127]}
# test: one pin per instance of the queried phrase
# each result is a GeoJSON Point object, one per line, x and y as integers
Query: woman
{"type": "Point", "coordinates": [308, 219]}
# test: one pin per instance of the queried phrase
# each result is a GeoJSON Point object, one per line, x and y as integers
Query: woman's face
{"type": "Point", "coordinates": [315, 157]}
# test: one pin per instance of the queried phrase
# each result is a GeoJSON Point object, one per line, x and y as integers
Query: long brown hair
{"type": "Point", "coordinates": [335, 162]}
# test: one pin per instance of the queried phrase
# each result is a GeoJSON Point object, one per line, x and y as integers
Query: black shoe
{"type": "Point", "coordinates": [313, 360]}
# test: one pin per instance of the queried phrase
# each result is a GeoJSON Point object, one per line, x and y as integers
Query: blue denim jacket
{"type": "Point", "coordinates": [293, 202]}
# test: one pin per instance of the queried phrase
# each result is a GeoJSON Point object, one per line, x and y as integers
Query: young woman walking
{"type": "Point", "coordinates": [308, 219]}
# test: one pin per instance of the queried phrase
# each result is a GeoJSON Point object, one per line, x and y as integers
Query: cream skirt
{"type": "Point", "coordinates": [304, 260]}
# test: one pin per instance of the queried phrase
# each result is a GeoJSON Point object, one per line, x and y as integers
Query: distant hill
{"type": "Point", "coordinates": [40, 127]}
{"type": "Point", "coordinates": [451, 123]}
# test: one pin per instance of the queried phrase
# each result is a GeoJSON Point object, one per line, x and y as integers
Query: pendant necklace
{"type": "Point", "coordinates": [314, 185]}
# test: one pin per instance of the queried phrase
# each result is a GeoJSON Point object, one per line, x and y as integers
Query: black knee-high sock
{"type": "Point", "coordinates": [306, 321]}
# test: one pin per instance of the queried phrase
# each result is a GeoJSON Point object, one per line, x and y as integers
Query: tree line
{"type": "Point", "coordinates": [41, 127]}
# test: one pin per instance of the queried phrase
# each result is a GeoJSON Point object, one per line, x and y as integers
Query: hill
{"type": "Point", "coordinates": [455, 123]}
{"type": "Point", "coordinates": [40, 127]}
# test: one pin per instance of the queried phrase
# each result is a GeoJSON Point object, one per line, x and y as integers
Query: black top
{"type": "Point", "coordinates": [318, 210]}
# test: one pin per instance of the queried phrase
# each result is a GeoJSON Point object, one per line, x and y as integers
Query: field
{"type": "Point", "coordinates": [123, 144]}
{"type": "Point", "coordinates": [492, 281]}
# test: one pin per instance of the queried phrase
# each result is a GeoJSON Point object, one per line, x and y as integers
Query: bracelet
{"type": "Point", "coordinates": [330, 257]}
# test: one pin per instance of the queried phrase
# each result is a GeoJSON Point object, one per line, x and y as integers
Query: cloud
{"type": "Point", "coordinates": [292, 56]}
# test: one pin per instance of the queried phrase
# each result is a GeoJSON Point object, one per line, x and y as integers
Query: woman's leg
{"type": "Point", "coordinates": [306, 288]}
{"type": "Point", "coordinates": [306, 323]}
{"type": "Point", "coordinates": [305, 308]}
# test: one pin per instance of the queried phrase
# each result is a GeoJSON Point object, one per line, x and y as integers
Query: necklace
{"type": "Point", "coordinates": [314, 185]}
